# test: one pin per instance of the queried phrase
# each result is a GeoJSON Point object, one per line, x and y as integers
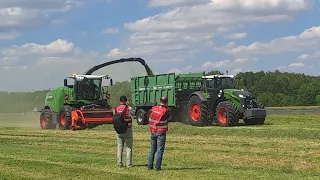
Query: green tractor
{"type": "Point", "coordinates": [200, 100]}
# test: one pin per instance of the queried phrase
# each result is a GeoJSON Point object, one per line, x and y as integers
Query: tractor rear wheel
{"type": "Point", "coordinates": [142, 117]}
{"type": "Point", "coordinates": [65, 117]}
{"type": "Point", "coordinates": [197, 112]}
{"type": "Point", "coordinates": [46, 119]}
{"type": "Point", "coordinates": [255, 121]}
{"type": "Point", "coordinates": [227, 114]}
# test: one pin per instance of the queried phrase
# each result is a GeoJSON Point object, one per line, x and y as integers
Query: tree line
{"type": "Point", "coordinates": [272, 88]}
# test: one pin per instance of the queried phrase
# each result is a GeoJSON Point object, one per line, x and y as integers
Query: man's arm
{"type": "Point", "coordinates": [168, 115]}
{"type": "Point", "coordinates": [131, 111]}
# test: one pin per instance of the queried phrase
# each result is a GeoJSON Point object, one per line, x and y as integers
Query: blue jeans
{"type": "Point", "coordinates": [158, 141]}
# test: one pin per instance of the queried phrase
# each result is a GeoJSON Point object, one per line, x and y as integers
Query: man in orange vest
{"type": "Point", "coordinates": [158, 126]}
{"type": "Point", "coordinates": [125, 137]}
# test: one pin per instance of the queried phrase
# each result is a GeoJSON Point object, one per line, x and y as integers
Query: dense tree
{"type": "Point", "coordinates": [272, 88]}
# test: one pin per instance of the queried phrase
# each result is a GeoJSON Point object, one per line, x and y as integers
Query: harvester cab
{"type": "Point", "coordinates": [89, 87]}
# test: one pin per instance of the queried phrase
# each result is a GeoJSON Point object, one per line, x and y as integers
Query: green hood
{"type": "Point", "coordinates": [237, 92]}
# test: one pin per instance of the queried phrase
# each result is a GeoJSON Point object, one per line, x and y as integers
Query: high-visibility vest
{"type": "Point", "coordinates": [156, 122]}
{"type": "Point", "coordinates": [126, 115]}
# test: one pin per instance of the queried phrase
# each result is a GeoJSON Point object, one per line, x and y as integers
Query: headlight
{"type": "Point", "coordinates": [240, 95]}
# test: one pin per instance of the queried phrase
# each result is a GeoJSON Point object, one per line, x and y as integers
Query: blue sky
{"type": "Point", "coordinates": [41, 42]}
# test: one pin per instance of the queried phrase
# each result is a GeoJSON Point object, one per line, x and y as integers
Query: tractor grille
{"type": "Point", "coordinates": [247, 102]}
{"type": "Point", "coordinates": [250, 103]}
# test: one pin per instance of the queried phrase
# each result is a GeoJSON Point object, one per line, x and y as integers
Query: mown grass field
{"type": "Point", "coordinates": [294, 108]}
{"type": "Point", "coordinates": [286, 147]}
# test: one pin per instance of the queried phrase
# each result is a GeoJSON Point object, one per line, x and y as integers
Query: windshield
{"type": "Point", "coordinates": [88, 89]}
{"type": "Point", "coordinates": [227, 83]}
{"type": "Point", "coordinates": [224, 83]}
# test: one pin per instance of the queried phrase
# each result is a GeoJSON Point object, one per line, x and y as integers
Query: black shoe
{"type": "Point", "coordinates": [150, 168]}
{"type": "Point", "coordinates": [159, 169]}
{"type": "Point", "coordinates": [120, 165]}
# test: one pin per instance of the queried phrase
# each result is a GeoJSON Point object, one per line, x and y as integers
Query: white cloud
{"type": "Point", "coordinates": [21, 15]}
{"type": "Point", "coordinates": [180, 71]}
{"type": "Point", "coordinates": [50, 63]}
{"type": "Point", "coordinates": [315, 55]}
{"type": "Point", "coordinates": [178, 32]}
{"type": "Point", "coordinates": [296, 65]}
{"type": "Point", "coordinates": [227, 63]}
{"type": "Point", "coordinates": [236, 36]}
{"type": "Point", "coordinates": [159, 3]}
{"type": "Point", "coordinates": [308, 39]}
{"type": "Point", "coordinates": [111, 31]}
{"type": "Point", "coordinates": [292, 67]}
{"type": "Point", "coordinates": [59, 46]}
{"type": "Point", "coordinates": [175, 70]}
{"type": "Point", "coordinates": [217, 64]}
{"type": "Point", "coordinates": [50, 5]}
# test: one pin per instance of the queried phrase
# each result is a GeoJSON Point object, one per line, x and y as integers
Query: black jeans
{"type": "Point", "coordinates": [158, 141]}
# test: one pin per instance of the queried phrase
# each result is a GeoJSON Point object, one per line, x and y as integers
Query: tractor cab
{"type": "Point", "coordinates": [220, 82]}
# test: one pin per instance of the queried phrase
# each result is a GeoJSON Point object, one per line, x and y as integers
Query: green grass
{"type": "Point", "coordinates": [286, 147]}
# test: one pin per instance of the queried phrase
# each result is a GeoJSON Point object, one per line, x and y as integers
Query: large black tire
{"type": "Point", "coordinates": [197, 112]}
{"type": "Point", "coordinates": [46, 120]}
{"type": "Point", "coordinates": [142, 117]}
{"type": "Point", "coordinates": [255, 121]}
{"type": "Point", "coordinates": [227, 114]}
{"type": "Point", "coordinates": [65, 117]}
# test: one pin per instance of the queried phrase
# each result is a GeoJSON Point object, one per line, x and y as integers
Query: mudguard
{"type": "Point", "coordinates": [199, 94]}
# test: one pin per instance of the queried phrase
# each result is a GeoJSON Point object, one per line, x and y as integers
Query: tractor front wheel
{"type": "Point", "coordinates": [197, 112]}
{"type": "Point", "coordinates": [142, 117]}
{"type": "Point", "coordinates": [227, 114]}
{"type": "Point", "coordinates": [65, 117]}
{"type": "Point", "coordinates": [46, 119]}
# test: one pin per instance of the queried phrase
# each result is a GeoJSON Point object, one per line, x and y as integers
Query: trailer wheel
{"type": "Point", "coordinates": [255, 121]}
{"type": "Point", "coordinates": [142, 117]}
{"type": "Point", "coordinates": [197, 112]}
{"type": "Point", "coordinates": [46, 119]}
{"type": "Point", "coordinates": [65, 117]}
{"type": "Point", "coordinates": [227, 114]}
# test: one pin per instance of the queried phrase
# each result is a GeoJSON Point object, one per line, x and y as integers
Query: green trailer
{"type": "Point", "coordinates": [197, 99]}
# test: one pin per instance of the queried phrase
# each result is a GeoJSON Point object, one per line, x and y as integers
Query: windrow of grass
{"type": "Point", "coordinates": [286, 147]}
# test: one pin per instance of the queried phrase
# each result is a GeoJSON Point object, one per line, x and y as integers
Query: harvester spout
{"type": "Point", "coordinates": [140, 60]}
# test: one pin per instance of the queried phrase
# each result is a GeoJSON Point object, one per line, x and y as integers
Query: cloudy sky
{"type": "Point", "coordinates": [43, 41]}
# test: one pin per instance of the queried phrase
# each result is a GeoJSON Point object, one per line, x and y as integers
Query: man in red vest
{"type": "Point", "coordinates": [158, 126]}
{"type": "Point", "coordinates": [127, 136]}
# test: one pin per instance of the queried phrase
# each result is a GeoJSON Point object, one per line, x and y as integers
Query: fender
{"type": "Point", "coordinates": [48, 107]}
{"type": "Point", "coordinates": [140, 60]}
{"type": "Point", "coordinates": [199, 94]}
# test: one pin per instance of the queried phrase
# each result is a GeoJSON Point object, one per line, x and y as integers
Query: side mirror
{"type": "Point", "coordinates": [65, 82]}
{"type": "Point", "coordinates": [111, 82]}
